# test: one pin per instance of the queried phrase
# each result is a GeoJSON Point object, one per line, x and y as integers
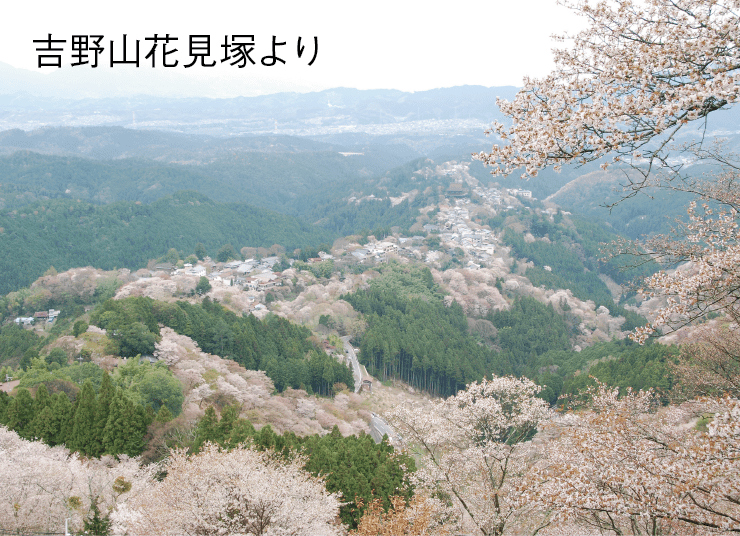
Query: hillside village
{"type": "Point", "coordinates": [456, 230]}
{"type": "Point", "coordinates": [454, 240]}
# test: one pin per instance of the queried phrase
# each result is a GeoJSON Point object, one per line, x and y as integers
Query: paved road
{"type": "Point", "coordinates": [350, 352]}
{"type": "Point", "coordinates": [378, 428]}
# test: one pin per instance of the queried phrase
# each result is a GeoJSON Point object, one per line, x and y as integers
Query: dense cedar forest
{"type": "Point", "coordinates": [623, 364]}
{"type": "Point", "coordinates": [568, 270]}
{"type": "Point", "coordinates": [274, 344]}
{"type": "Point", "coordinates": [643, 215]}
{"type": "Point", "coordinates": [414, 337]}
{"type": "Point", "coordinates": [245, 176]}
{"type": "Point", "coordinates": [89, 411]}
{"type": "Point", "coordinates": [593, 236]}
{"type": "Point", "coordinates": [315, 186]}
{"type": "Point", "coordinates": [422, 343]}
{"type": "Point", "coordinates": [527, 330]}
{"type": "Point", "coordinates": [15, 342]}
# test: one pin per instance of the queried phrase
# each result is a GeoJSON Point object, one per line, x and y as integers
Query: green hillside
{"type": "Point", "coordinates": [653, 211]}
{"type": "Point", "coordinates": [278, 180]}
{"type": "Point", "coordinates": [65, 233]}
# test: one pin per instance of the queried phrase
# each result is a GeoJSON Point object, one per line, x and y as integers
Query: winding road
{"type": "Point", "coordinates": [378, 427]}
{"type": "Point", "coordinates": [350, 352]}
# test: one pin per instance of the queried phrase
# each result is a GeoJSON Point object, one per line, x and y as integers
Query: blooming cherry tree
{"type": "Point", "coordinates": [475, 448]}
{"type": "Point", "coordinates": [637, 74]}
{"type": "Point", "coordinates": [710, 363]}
{"type": "Point", "coordinates": [631, 467]}
{"type": "Point", "coordinates": [422, 516]}
{"type": "Point", "coordinates": [241, 491]}
{"type": "Point", "coordinates": [41, 486]}
{"type": "Point", "coordinates": [709, 246]}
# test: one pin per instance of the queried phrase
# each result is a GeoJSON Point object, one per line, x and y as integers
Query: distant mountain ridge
{"type": "Point", "coordinates": [32, 100]}
{"type": "Point", "coordinates": [22, 89]}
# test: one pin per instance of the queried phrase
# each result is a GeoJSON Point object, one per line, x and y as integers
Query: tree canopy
{"type": "Point", "coordinates": [635, 76]}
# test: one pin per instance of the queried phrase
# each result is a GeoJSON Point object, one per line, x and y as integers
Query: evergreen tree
{"type": "Point", "coordinates": [207, 430]}
{"type": "Point", "coordinates": [42, 426]}
{"type": "Point", "coordinates": [105, 397]}
{"type": "Point", "coordinates": [95, 523]}
{"type": "Point", "coordinates": [57, 355]}
{"type": "Point", "coordinates": [203, 286]}
{"type": "Point", "coordinates": [240, 432]}
{"type": "Point", "coordinates": [4, 403]}
{"type": "Point", "coordinates": [79, 328]}
{"type": "Point", "coordinates": [163, 415]}
{"type": "Point", "coordinates": [159, 387]}
{"type": "Point", "coordinates": [82, 438]}
{"type": "Point", "coordinates": [28, 356]}
{"type": "Point", "coordinates": [42, 400]}
{"type": "Point", "coordinates": [20, 413]}
{"type": "Point", "coordinates": [112, 438]}
{"type": "Point", "coordinates": [200, 251]}
{"type": "Point", "coordinates": [328, 377]}
{"type": "Point", "coordinates": [62, 413]}
{"type": "Point", "coordinates": [139, 419]}
{"type": "Point", "coordinates": [124, 431]}
{"type": "Point", "coordinates": [226, 253]}
{"type": "Point", "coordinates": [229, 416]}
{"type": "Point", "coordinates": [266, 438]}
{"type": "Point", "coordinates": [172, 256]}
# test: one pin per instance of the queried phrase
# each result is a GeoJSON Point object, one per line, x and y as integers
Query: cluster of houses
{"type": "Point", "coordinates": [323, 256]}
{"type": "Point", "coordinates": [478, 243]}
{"type": "Point", "coordinates": [490, 196]}
{"type": "Point", "coordinates": [456, 189]}
{"type": "Point", "coordinates": [261, 282]}
{"type": "Point", "coordinates": [39, 316]}
{"type": "Point", "coordinates": [454, 227]}
{"type": "Point", "coordinates": [251, 274]}
{"type": "Point", "coordinates": [377, 251]}
{"type": "Point", "coordinates": [407, 246]}
{"type": "Point", "coordinates": [455, 230]}
{"type": "Point", "coordinates": [519, 192]}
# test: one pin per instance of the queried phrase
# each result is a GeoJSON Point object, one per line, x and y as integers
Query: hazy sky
{"type": "Point", "coordinates": [396, 44]}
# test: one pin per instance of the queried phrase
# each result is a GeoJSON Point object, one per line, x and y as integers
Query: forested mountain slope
{"type": "Point", "coordinates": [654, 211]}
{"type": "Point", "coordinates": [65, 233]}
{"type": "Point", "coordinates": [275, 180]}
